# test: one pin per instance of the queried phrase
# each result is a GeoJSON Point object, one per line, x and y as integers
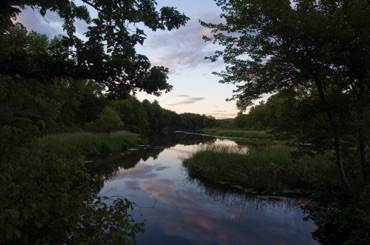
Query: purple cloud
{"type": "Point", "coordinates": [184, 47]}
{"type": "Point", "coordinates": [188, 101]}
{"type": "Point", "coordinates": [51, 24]}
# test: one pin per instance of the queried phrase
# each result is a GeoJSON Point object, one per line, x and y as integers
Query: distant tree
{"type": "Point", "coordinates": [81, 102]}
{"type": "Point", "coordinates": [132, 113]}
{"type": "Point", "coordinates": [108, 121]}
{"type": "Point", "coordinates": [209, 121]}
{"type": "Point", "coordinates": [241, 121]}
{"type": "Point", "coordinates": [318, 49]}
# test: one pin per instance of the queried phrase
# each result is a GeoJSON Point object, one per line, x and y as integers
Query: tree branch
{"type": "Point", "coordinates": [94, 6]}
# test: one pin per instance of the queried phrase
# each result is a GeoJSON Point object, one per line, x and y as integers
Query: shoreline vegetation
{"type": "Point", "coordinates": [270, 169]}
{"type": "Point", "coordinates": [266, 168]}
{"type": "Point", "coordinates": [88, 144]}
{"type": "Point", "coordinates": [238, 133]}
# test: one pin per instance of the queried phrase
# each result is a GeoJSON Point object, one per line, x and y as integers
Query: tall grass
{"type": "Point", "coordinates": [270, 169]}
{"type": "Point", "coordinates": [88, 144]}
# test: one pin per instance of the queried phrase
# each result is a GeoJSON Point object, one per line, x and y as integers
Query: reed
{"type": "Point", "coordinates": [270, 169]}
{"type": "Point", "coordinates": [87, 144]}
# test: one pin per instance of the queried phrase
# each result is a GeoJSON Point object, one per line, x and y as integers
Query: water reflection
{"type": "Point", "coordinates": [178, 211]}
{"type": "Point", "coordinates": [109, 167]}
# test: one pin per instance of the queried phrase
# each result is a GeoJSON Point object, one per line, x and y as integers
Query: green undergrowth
{"type": "Point", "coordinates": [261, 170]}
{"type": "Point", "coordinates": [238, 133]}
{"type": "Point", "coordinates": [87, 144]}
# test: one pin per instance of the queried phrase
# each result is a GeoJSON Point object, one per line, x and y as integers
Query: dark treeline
{"type": "Point", "coordinates": [267, 115]}
{"type": "Point", "coordinates": [69, 104]}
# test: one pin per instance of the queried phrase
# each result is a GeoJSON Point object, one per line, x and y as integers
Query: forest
{"type": "Point", "coordinates": [312, 58]}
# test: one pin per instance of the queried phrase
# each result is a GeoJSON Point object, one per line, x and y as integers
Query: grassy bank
{"type": "Point", "coordinates": [251, 134]}
{"type": "Point", "coordinates": [87, 144]}
{"type": "Point", "coordinates": [267, 170]}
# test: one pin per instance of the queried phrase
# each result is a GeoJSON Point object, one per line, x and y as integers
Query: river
{"type": "Point", "coordinates": [177, 209]}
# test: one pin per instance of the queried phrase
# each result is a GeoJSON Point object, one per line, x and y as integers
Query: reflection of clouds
{"type": "Point", "coordinates": [160, 168]}
{"type": "Point", "coordinates": [141, 171]}
{"type": "Point", "coordinates": [132, 185]}
{"type": "Point", "coordinates": [191, 215]}
{"type": "Point", "coordinates": [158, 189]}
{"type": "Point", "coordinates": [182, 151]}
{"type": "Point", "coordinates": [184, 209]}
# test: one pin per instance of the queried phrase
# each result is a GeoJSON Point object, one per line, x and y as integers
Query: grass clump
{"type": "Point", "coordinates": [265, 170]}
{"type": "Point", "coordinates": [87, 144]}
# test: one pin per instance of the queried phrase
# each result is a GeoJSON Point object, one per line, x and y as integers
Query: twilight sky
{"type": "Point", "coordinates": [195, 89]}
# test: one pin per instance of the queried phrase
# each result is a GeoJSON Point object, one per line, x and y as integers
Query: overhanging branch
{"type": "Point", "coordinates": [94, 6]}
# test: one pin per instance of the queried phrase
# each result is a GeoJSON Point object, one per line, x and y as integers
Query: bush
{"type": "Point", "coordinates": [53, 201]}
{"type": "Point", "coordinates": [108, 121]}
{"type": "Point", "coordinates": [84, 143]}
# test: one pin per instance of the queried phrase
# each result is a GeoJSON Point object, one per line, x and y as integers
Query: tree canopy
{"type": "Point", "coordinates": [107, 52]}
{"type": "Point", "coordinates": [318, 50]}
{"type": "Point", "coordinates": [271, 45]}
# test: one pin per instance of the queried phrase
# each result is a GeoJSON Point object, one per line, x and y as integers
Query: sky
{"type": "Point", "coordinates": [195, 88]}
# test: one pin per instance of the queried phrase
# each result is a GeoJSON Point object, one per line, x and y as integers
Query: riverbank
{"type": "Point", "coordinates": [268, 170]}
{"type": "Point", "coordinates": [238, 133]}
{"type": "Point", "coordinates": [88, 144]}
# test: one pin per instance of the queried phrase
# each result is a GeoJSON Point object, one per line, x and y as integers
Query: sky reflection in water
{"type": "Point", "coordinates": [179, 211]}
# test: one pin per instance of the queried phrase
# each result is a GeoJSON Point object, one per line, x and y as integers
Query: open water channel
{"type": "Point", "coordinates": [177, 209]}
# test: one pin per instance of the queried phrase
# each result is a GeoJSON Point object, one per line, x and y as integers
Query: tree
{"type": "Point", "coordinates": [27, 105]}
{"type": "Point", "coordinates": [318, 50]}
{"type": "Point", "coordinates": [108, 55]}
{"type": "Point", "coordinates": [133, 114]}
{"type": "Point", "coordinates": [81, 102]}
{"type": "Point", "coordinates": [108, 121]}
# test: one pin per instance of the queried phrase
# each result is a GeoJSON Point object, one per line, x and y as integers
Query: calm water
{"type": "Point", "coordinates": [179, 210]}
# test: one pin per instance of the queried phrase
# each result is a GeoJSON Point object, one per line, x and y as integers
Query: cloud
{"type": "Point", "coordinates": [51, 24]}
{"type": "Point", "coordinates": [223, 114]}
{"type": "Point", "coordinates": [191, 100]}
{"type": "Point", "coordinates": [184, 47]}
{"type": "Point", "coordinates": [182, 95]}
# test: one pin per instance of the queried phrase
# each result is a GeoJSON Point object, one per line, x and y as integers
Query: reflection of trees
{"type": "Point", "coordinates": [168, 140]}
{"type": "Point", "coordinates": [233, 197]}
{"type": "Point", "coordinates": [108, 167]}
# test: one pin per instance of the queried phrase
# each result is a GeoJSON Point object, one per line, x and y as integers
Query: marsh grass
{"type": "Point", "coordinates": [270, 169]}
{"type": "Point", "coordinates": [87, 144]}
